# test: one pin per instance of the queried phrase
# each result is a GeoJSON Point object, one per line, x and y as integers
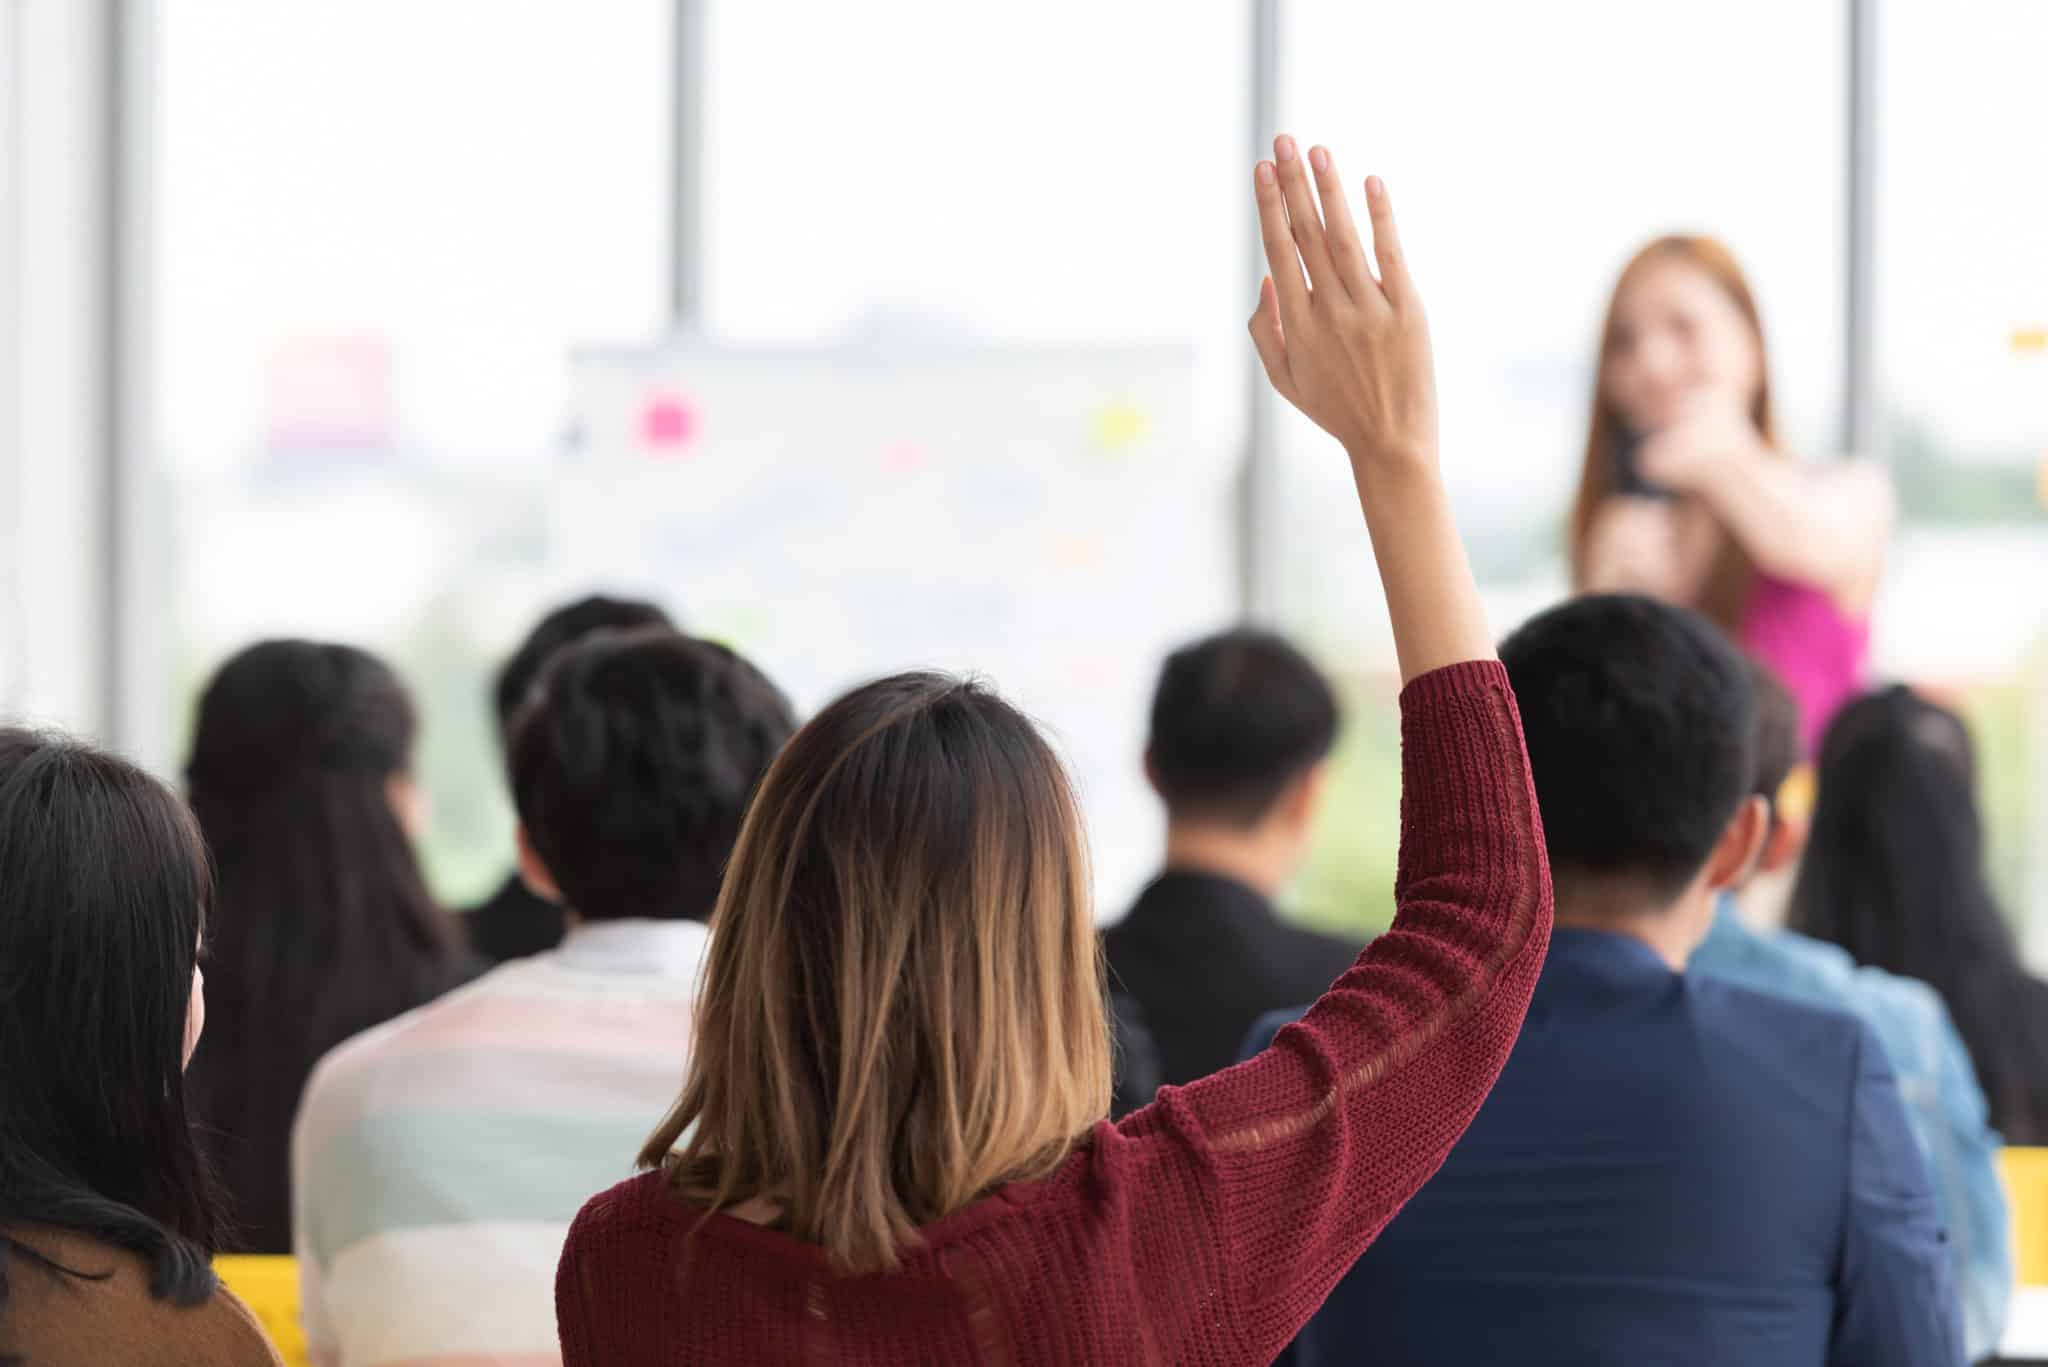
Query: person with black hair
{"type": "Point", "coordinates": [1894, 874]}
{"type": "Point", "coordinates": [1672, 1169]}
{"type": "Point", "coordinates": [108, 1216]}
{"type": "Point", "coordinates": [1241, 732]}
{"type": "Point", "coordinates": [300, 775]}
{"type": "Point", "coordinates": [515, 922]}
{"type": "Point", "coordinates": [440, 1159]}
{"type": "Point", "coordinates": [1938, 1084]}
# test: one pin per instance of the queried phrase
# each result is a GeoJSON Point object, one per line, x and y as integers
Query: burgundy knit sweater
{"type": "Point", "coordinates": [1204, 1228]}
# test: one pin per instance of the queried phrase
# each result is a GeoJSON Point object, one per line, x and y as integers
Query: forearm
{"type": "Point", "coordinates": [1793, 530]}
{"type": "Point", "coordinates": [1432, 599]}
{"type": "Point", "coordinates": [1317, 1142]}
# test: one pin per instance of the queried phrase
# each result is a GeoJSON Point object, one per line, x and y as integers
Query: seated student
{"type": "Point", "coordinates": [108, 1219]}
{"type": "Point", "coordinates": [439, 1159]}
{"type": "Point", "coordinates": [1935, 1077]}
{"type": "Point", "coordinates": [891, 1146]}
{"type": "Point", "coordinates": [300, 776]}
{"type": "Point", "coordinates": [1242, 726]}
{"type": "Point", "coordinates": [1895, 874]}
{"type": "Point", "coordinates": [515, 921]}
{"type": "Point", "coordinates": [1671, 1169]}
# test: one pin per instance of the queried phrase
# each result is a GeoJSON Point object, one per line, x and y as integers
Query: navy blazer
{"type": "Point", "coordinates": [1670, 1170]}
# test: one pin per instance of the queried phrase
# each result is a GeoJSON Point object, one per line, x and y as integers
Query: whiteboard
{"type": "Point", "coordinates": [1053, 521]}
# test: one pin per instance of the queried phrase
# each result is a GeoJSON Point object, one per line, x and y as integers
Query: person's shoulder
{"type": "Point", "coordinates": [1268, 1027]}
{"type": "Point", "coordinates": [102, 1294]}
{"type": "Point", "coordinates": [624, 1211]}
{"type": "Point", "coordinates": [1819, 1034]}
{"type": "Point", "coordinates": [1329, 946]}
{"type": "Point", "coordinates": [366, 1051]}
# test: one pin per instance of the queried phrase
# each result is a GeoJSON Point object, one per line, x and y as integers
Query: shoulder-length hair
{"type": "Point", "coordinates": [903, 1005]}
{"type": "Point", "coordinates": [325, 925]}
{"type": "Point", "coordinates": [106, 890]}
{"type": "Point", "coordinates": [1732, 574]}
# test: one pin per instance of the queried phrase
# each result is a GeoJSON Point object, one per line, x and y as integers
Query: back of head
{"type": "Point", "coordinates": [566, 625]}
{"type": "Point", "coordinates": [1236, 718]}
{"type": "Point", "coordinates": [106, 889]}
{"type": "Point", "coordinates": [1894, 868]}
{"type": "Point", "coordinates": [1640, 724]}
{"type": "Point", "coordinates": [1894, 873]}
{"type": "Point", "coordinates": [903, 1005]}
{"type": "Point", "coordinates": [632, 764]}
{"type": "Point", "coordinates": [325, 926]}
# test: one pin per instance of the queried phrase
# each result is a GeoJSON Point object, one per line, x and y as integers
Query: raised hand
{"type": "Point", "coordinates": [1349, 349]}
{"type": "Point", "coordinates": [1713, 439]}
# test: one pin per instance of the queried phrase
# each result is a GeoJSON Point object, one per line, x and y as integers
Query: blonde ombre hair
{"type": "Point", "coordinates": [903, 1004]}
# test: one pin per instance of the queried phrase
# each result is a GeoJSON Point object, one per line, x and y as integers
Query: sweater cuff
{"type": "Point", "coordinates": [1466, 679]}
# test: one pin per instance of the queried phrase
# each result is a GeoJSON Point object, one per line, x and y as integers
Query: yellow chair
{"type": "Point", "coordinates": [2026, 1191]}
{"type": "Point", "coordinates": [269, 1286]}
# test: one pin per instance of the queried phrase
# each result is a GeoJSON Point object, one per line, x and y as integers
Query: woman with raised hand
{"type": "Point", "coordinates": [1688, 494]}
{"type": "Point", "coordinates": [891, 1144]}
{"type": "Point", "coordinates": [300, 775]}
{"type": "Point", "coordinates": [108, 1219]}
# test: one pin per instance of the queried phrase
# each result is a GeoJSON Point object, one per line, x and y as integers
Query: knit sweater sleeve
{"type": "Point", "coordinates": [1253, 1191]}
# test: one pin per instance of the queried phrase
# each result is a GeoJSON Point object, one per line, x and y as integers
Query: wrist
{"type": "Point", "coordinates": [1393, 463]}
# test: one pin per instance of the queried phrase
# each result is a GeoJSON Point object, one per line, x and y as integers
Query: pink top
{"type": "Point", "coordinates": [1817, 651]}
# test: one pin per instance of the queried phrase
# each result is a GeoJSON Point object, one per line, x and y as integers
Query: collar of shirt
{"type": "Point", "coordinates": [669, 949]}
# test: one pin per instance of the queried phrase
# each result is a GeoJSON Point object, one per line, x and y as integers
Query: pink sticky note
{"type": "Point", "coordinates": [903, 457]}
{"type": "Point", "coordinates": [669, 424]}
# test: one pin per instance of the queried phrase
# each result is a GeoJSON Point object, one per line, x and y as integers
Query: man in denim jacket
{"type": "Point", "coordinates": [1935, 1078]}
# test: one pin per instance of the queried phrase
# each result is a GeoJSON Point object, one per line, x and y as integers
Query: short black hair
{"type": "Point", "coordinates": [1777, 735]}
{"type": "Point", "coordinates": [1641, 725]}
{"type": "Point", "coordinates": [1236, 718]}
{"type": "Point", "coordinates": [632, 764]}
{"type": "Point", "coordinates": [568, 623]}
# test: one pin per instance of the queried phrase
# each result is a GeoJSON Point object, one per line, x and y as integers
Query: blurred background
{"type": "Point", "coordinates": [912, 333]}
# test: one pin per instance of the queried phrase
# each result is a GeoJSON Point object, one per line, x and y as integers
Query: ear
{"type": "Point", "coordinates": [408, 802]}
{"type": "Point", "coordinates": [1784, 845]}
{"type": "Point", "coordinates": [534, 873]}
{"type": "Point", "coordinates": [1303, 798]}
{"type": "Point", "coordinates": [1742, 839]}
{"type": "Point", "coordinates": [1152, 773]}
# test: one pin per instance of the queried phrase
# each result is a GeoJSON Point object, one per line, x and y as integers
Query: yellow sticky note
{"type": "Point", "coordinates": [1120, 426]}
{"type": "Point", "coordinates": [2030, 339]}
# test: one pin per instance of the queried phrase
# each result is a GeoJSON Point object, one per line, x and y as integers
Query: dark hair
{"type": "Point", "coordinates": [1894, 873]}
{"type": "Point", "coordinates": [1236, 718]}
{"type": "Point", "coordinates": [632, 763]}
{"type": "Point", "coordinates": [1640, 720]}
{"type": "Point", "coordinates": [325, 926]}
{"type": "Point", "coordinates": [568, 623]}
{"type": "Point", "coordinates": [1777, 735]}
{"type": "Point", "coordinates": [106, 887]}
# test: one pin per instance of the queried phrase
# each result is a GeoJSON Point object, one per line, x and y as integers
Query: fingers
{"type": "Point", "coordinates": [1304, 220]}
{"type": "Point", "coordinates": [1282, 260]}
{"type": "Point", "coordinates": [1386, 240]}
{"type": "Point", "coordinates": [1270, 340]}
{"type": "Point", "coordinates": [1347, 253]}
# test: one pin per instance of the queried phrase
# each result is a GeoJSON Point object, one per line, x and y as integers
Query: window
{"type": "Point", "coordinates": [1529, 160]}
{"type": "Point", "coordinates": [384, 229]}
{"type": "Point", "coordinates": [1962, 355]}
{"type": "Point", "coordinates": [380, 227]}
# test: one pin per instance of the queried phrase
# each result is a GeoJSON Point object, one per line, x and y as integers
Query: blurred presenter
{"type": "Point", "coordinates": [1688, 494]}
